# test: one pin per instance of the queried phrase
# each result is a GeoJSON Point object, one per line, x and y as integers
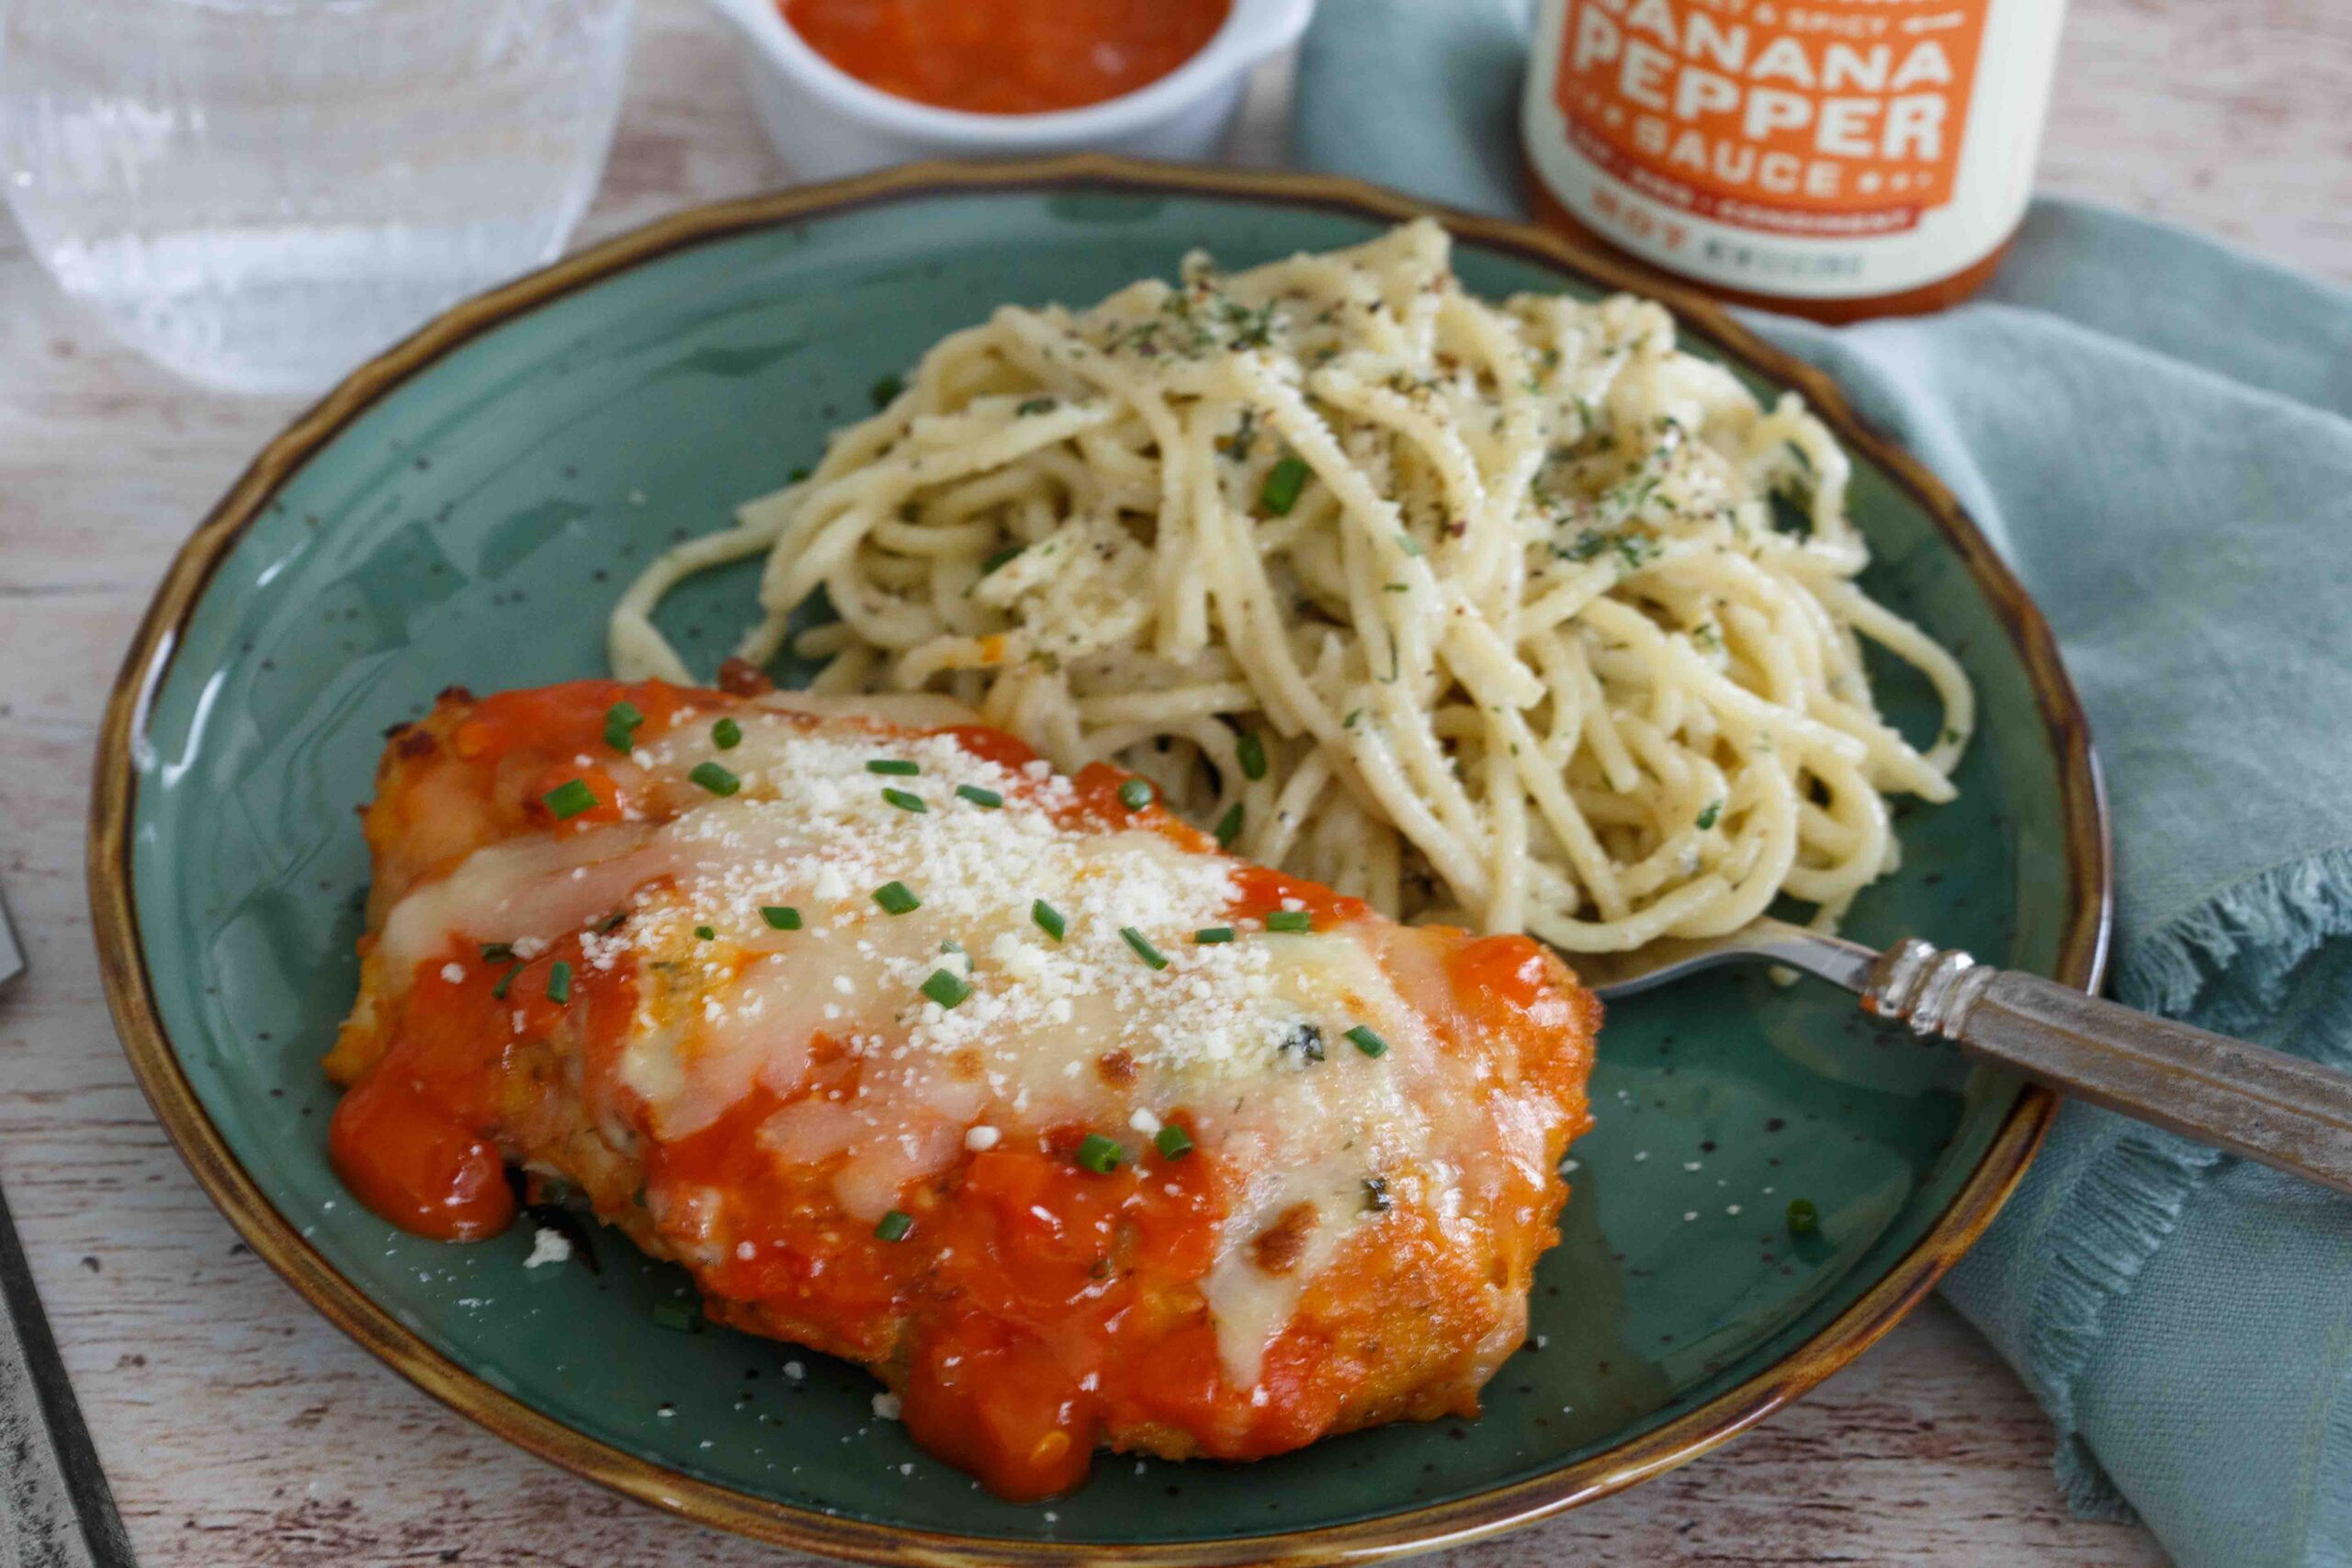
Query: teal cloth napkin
{"type": "Point", "coordinates": [2157, 432]}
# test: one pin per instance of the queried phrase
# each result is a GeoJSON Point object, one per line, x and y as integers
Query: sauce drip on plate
{"type": "Point", "coordinates": [1007, 56]}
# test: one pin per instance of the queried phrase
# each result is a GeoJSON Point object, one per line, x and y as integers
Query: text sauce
{"type": "Point", "coordinates": [1840, 158]}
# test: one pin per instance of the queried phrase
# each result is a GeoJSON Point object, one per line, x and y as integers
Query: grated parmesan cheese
{"type": "Point", "coordinates": [548, 1246]}
{"type": "Point", "coordinates": [1028, 1030]}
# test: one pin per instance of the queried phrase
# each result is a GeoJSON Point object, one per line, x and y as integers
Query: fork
{"type": "Point", "coordinates": [55, 1508]}
{"type": "Point", "coordinates": [2282, 1111]}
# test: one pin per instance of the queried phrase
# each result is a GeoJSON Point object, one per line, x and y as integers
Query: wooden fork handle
{"type": "Point", "coordinates": [2283, 1111]}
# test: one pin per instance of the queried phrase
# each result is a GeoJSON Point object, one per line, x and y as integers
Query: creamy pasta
{"type": "Point", "coordinates": [1516, 615]}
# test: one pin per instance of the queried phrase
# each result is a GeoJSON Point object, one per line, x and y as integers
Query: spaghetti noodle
{"type": "Point", "coordinates": [1516, 615]}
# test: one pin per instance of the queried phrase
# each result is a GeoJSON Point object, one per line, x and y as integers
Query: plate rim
{"type": "Point", "coordinates": [2081, 955]}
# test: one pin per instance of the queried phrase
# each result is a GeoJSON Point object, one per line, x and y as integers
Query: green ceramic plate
{"type": "Point", "coordinates": [464, 511]}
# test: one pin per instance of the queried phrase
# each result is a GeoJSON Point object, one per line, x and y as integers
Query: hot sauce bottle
{"type": "Point", "coordinates": [1838, 159]}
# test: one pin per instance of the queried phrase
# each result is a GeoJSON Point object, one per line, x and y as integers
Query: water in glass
{"type": "Point", "coordinates": [261, 193]}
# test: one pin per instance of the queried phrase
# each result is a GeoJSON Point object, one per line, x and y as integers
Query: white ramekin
{"type": "Point", "coordinates": [825, 122]}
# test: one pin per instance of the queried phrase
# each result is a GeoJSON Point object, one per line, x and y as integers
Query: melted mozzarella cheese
{"type": "Point", "coordinates": [1247, 1037]}
{"type": "Point", "coordinates": [521, 890]}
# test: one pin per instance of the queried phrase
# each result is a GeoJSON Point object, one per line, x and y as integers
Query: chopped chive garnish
{"type": "Point", "coordinates": [706, 933]}
{"type": "Point", "coordinates": [895, 899]}
{"type": "Point", "coordinates": [1708, 818]}
{"type": "Point", "coordinates": [1252, 753]}
{"type": "Point", "coordinates": [782, 916]}
{"type": "Point", "coordinates": [945, 988]}
{"type": "Point", "coordinates": [895, 1226]}
{"type": "Point", "coordinates": [1036, 405]}
{"type": "Point", "coordinates": [727, 735]}
{"type": "Point", "coordinates": [1365, 1041]}
{"type": "Point", "coordinates": [621, 720]}
{"type": "Point", "coordinates": [1284, 481]}
{"type": "Point", "coordinates": [1100, 1154]}
{"type": "Point", "coordinates": [612, 922]}
{"type": "Point", "coordinates": [1172, 1142]}
{"type": "Point", "coordinates": [987, 798]}
{"type": "Point", "coordinates": [497, 952]}
{"type": "Point", "coordinates": [716, 778]}
{"type": "Point", "coordinates": [1208, 936]}
{"type": "Point", "coordinates": [674, 1316]}
{"type": "Point", "coordinates": [559, 981]}
{"type": "Point", "coordinates": [1410, 545]}
{"type": "Point", "coordinates": [1143, 948]}
{"type": "Point", "coordinates": [895, 766]}
{"type": "Point", "coordinates": [499, 990]}
{"type": "Point", "coordinates": [1290, 921]}
{"type": "Point", "coordinates": [569, 798]}
{"type": "Point", "coordinates": [1804, 1218]}
{"type": "Point", "coordinates": [1136, 794]}
{"type": "Point", "coordinates": [904, 800]}
{"type": "Point", "coordinates": [1228, 826]}
{"type": "Point", "coordinates": [999, 557]}
{"type": "Point", "coordinates": [886, 390]}
{"type": "Point", "coordinates": [1050, 920]}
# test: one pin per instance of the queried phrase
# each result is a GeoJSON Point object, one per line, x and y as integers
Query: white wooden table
{"type": "Point", "coordinates": [241, 1431]}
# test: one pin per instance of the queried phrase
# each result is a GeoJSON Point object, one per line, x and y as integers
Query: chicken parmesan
{"type": "Point", "coordinates": [1010, 1086]}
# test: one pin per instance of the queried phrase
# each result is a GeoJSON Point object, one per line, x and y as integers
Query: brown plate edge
{"type": "Point", "coordinates": [2082, 957]}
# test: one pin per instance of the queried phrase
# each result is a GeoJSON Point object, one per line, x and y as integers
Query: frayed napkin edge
{"type": "Point", "coordinates": [2224, 965]}
{"type": "Point", "coordinates": [2125, 1209]}
{"type": "Point", "coordinates": [2328, 1532]}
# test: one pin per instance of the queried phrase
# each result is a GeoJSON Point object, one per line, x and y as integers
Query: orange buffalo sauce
{"type": "Point", "coordinates": [1029, 1307]}
{"type": "Point", "coordinates": [1007, 56]}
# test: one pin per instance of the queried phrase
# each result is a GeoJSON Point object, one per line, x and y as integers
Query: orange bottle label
{"type": "Point", "coordinates": [1850, 131]}
{"type": "Point", "coordinates": [1837, 116]}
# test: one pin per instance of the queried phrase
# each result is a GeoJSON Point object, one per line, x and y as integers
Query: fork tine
{"type": "Point", "coordinates": [1766, 940]}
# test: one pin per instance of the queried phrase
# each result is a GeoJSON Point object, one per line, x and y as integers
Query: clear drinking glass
{"type": "Point", "coordinates": [259, 194]}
